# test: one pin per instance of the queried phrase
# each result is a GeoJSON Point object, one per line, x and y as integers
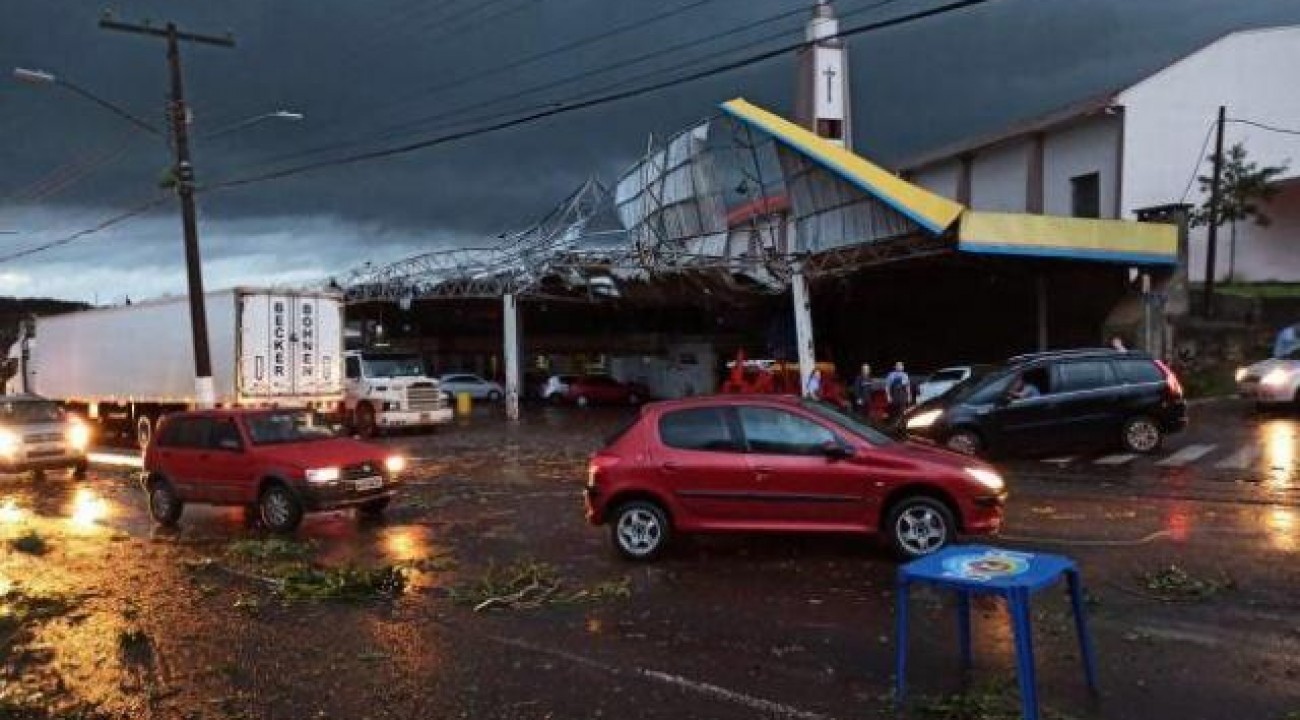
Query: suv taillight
{"type": "Point", "coordinates": [1171, 379]}
{"type": "Point", "coordinates": [598, 465]}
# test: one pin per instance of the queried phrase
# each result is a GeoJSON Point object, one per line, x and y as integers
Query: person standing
{"type": "Point", "coordinates": [814, 388]}
{"type": "Point", "coordinates": [862, 391]}
{"type": "Point", "coordinates": [898, 388]}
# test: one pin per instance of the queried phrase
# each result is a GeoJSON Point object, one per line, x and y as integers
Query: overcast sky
{"type": "Point", "coordinates": [369, 73]}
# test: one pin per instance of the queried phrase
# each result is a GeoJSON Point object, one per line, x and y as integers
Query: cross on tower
{"type": "Point", "coordinates": [830, 85]}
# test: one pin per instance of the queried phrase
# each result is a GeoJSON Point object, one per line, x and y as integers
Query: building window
{"type": "Point", "coordinates": [830, 128]}
{"type": "Point", "coordinates": [1085, 194]}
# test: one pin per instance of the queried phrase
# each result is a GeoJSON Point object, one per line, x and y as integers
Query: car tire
{"type": "Point", "coordinates": [363, 420]}
{"type": "Point", "coordinates": [494, 396]}
{"type": "Point", "coordinates": [1141, 435]}
{"type": "Point", "coordinates": [966, 442]}
{"type": "Point", "coordinates": [373, 508]}
{"type": "Point", "coordinates": [165, 506]}
{"type": "Point", "coordinates": [279, 509]}
{"type": "Point", "coordinates": [918, 525]}
{"type": "Point", "coordinates": [640, 530]}
{"type": "Point", "coordinates": [582, 401]}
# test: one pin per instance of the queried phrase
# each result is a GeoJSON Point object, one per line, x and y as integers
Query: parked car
{"type": "Point", "coordinates": [587, 390]}
{"type": "Point", "coordinates": [1271, 382]}
{"type": "Point", "coordinates": [944, 380]}
{"type": "Point", "coordinates": [754, 463]}
{"type": "Point", "coordinates": [37, 435]}
{"type": "Point", "coordinates": [477, 387]}
{"type": "Point", "coordinates": [279, 463]}
{"type": "Point", "coordinates": [556, 387]}
{"type": "Point", "coordinates": [1057, 401]}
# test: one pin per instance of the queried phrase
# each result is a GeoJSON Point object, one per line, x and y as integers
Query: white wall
{"type": "Point", "coordinates": [1078, 149]}
{"type": "Point", "coordinates": [1167, 117]}
{"type": "Point", "coordinates": [941, 178]}
{"type": "Point", "coordinates": [998, 177]}
{"type": "Point", "coordinates": [1263, 253]}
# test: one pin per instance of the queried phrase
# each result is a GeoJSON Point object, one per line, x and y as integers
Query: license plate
{"type": "Point", "coordinates": [369, 483]}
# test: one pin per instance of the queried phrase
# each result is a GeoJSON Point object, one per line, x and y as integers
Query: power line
{"type": "Point", "coordinates": [563, 108]}
{"type": "Point", "coordinates": [99, 227]}
{"type": "Point", "coordinates": [421, 124]}
{"type": "Point", "coordinates": [1264, 126]}
{"type": "Point", "coordinates": [1200, 158]}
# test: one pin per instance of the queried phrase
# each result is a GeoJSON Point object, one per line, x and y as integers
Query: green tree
{"type": "Point", "coordinates": [1243, 189]}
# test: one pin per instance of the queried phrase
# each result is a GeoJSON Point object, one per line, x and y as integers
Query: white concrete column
{"type": "Point", "coordinates": [803, 327]}
{"type": "Point", "coordinates": [510, 308]}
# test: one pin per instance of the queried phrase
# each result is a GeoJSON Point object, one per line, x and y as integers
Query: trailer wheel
{"type": "Point", "coordinates": [364, 420]}
{"type": "Point", "coordinates": [144, 427]}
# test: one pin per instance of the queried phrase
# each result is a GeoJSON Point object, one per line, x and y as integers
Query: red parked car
{"type": "Point", "coordinates": [775, 463]}
{"type": "Point", "coordinates": [603, 390]}
{"type": "Point", "coordinates": [280, 463]}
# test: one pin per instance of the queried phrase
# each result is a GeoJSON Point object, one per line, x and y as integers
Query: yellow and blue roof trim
{"type": "Point", "coordinates": [933, 212]}
{"type": "Point", "coordinates": [1021, 234]}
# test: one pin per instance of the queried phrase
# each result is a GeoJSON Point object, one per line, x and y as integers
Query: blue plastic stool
{"type": "Point", "coordinates": [978, 569]}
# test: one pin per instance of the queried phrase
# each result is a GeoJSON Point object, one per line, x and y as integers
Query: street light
{"type": "Point", "coordinates": [275, 115]}
{"type": "Point", "coordinates": [41, 77]}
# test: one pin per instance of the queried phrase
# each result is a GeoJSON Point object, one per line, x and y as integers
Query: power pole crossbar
{"type": "Point", "coordinates": [183, 174]}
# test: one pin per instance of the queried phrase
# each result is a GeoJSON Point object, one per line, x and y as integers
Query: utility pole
{"type": "Point", "coordinates": [183, 175]}
{"type": "Point", "coordinates": [1212, 240]}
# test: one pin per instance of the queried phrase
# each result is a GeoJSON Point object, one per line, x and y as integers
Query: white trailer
{"type": "Point", "coordinates": [125, 366]}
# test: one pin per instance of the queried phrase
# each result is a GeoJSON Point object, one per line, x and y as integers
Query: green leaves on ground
{"type": "Point", "coordinates": [345, 583]}
{"type": "Point", "coordinates": [528, 584]}
{"type": "Point", "coordinates": [269, 550]}
{"type": "Point", "coordinates": [1173, 582]}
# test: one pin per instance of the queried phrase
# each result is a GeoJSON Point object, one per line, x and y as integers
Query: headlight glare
{"type": "Point", "coordinates": [322, 475]}
{"type": "Point", "coordinates": [395, 464]}
{"type": "Point", "coordinates": [1277, 377]}
{"type": "Point", "coordinates": [987, 478]}
{"type": "Point", "coordinates": [1240, 374]}
{"type": "Point", "coordinates": [78, 436]}
{"type": "Point", "coordinates": [924, 419]}
{"type": "Point", "coordinates": [9, 443]}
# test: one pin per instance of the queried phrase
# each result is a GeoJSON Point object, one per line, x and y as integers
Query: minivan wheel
{"type": "Point", "coordinates": [640, 530]}
{"type": "Point", "coordinates": [279, 509]}
{"type": "Point", "coordinates": [918, 526]}
{"type": "Point", "coordinates": [966, 442]}
{"type": "Point", "coordinates": [1141, 435]}
{"type": "Point", "coordinates": [165, 505]}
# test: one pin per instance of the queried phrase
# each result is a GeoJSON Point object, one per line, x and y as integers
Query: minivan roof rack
{"type": "Point", "coordinates": [1026, 357]}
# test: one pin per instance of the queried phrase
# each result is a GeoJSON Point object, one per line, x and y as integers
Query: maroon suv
{"type": "Point", "coordinates": [280, 463]}
{"type": "Point", "coordinates": [771, 463]}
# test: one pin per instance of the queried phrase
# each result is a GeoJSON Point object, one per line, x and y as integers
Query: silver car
{"type": "Point", "coordinates": [478, 388]}
{"type": "Point", "coordinates": [37, 435]}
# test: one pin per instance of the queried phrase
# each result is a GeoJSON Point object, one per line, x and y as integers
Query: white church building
{"type": "Point", "coordinates": [1143, 145]}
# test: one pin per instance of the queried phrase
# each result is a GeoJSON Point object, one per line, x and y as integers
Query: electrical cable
{"type": "Point", "coordinates": [98, 227]}
{"type": "Point", "coordinates": [1200, 158]}
{"type": "Point", "coordinates": [1264, 126]}
{"type": "Point", "coordinates": [594, 102]}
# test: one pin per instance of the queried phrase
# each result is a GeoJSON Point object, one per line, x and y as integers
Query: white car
{"type": "Point", "coordinates": [478, 388]}
{"type": "Point", "coordinates": [941, 382]}
{"type": "Point", "coordinates": [1275, 381]}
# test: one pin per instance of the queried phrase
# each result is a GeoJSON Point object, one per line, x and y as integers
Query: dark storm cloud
{"type": "Point", "coordinates": [357, 69]}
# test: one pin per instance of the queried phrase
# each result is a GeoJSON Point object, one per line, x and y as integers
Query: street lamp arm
{"type": "Point", "coordinates": [275, 115]}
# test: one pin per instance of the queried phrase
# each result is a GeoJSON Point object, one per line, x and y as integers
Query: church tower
{"type": "Point", "coordinates": [822, 92]}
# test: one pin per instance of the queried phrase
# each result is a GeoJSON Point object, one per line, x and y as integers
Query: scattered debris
{"type": "Point", "coordinates": [993, 701]}
{"type": "Point", "coordinates": [31, 543]}
{"type": "Point", "coordinates": [527, 584]}
{"type": "Point", "coordinates": [346, 583]}
{"type": "Point", "coordinates": [135, 647]}
{"type": "Point", "coordinates": [1173, 583]}
{"type": "Point", "coordinates": [272, 550]}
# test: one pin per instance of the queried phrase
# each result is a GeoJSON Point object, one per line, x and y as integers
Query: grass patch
{"type": "Point", "coordinates": [1259, 290]}
{"type": "Point", "coordinates": [528, 584]}
{"type": "Point", "coordinates": [31, 543]}
{"type": "Point", "coordinates": [272, 550]}
{"type": "Point", "coordinates": [346, 583]}
{"type": "Point", "coordinates": [995, 701]}
{"type": "Point", "coordinates": [1174, 583]}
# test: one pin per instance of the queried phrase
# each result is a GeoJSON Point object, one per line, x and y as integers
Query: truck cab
{"type": "Point", "coordinates": [386, 390]}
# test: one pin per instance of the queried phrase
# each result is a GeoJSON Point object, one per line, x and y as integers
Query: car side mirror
{"type": "Point", "coordinates": [836, 451]}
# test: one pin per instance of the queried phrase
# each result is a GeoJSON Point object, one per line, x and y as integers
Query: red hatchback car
{"type": "Point", "coordinates": [603, 390]}
{"type": "Point", "coordinates": [772, 463]}
{"type": "Point", "coordinates": [279, 463]}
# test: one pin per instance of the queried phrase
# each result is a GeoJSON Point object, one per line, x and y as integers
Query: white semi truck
{"type": "Point", "coordinates": [391, 390]}
{"type": "Point", "coordinates": [125, 366]}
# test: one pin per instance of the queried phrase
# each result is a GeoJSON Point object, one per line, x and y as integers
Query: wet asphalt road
{"type": "Point", "coordinates": [726, 627]}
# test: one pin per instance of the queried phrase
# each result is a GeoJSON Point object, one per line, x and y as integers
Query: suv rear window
{"type": "Point", "coordinates": [1137, 370]}
{"type": "Point", "coordinates": [698, 429]}
{"type": "Point", "coordinates": [185, 432]}
{"type": "Point", "coordinates": [1084, 375]}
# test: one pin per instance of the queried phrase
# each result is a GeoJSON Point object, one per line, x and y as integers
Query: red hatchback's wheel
{"type": "Point", "coordinates": [640, 530]}
{"type": "Point", "coordinates": [918, 526]}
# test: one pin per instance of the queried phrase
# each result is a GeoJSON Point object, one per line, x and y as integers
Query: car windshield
{"type": "Point", "coordinates": [30, 411]}
{"type": "Point", "coordinates": [288, 426]}
{"type": "Point", "coordinates": [980, 387]}
{"type": "Point", "coordinates": [848, 422]}
{"type": "Point", "coordinates": [387, 366]}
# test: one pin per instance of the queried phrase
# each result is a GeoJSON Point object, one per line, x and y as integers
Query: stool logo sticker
{"type": "Point", "coordinates": [990, 565]}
